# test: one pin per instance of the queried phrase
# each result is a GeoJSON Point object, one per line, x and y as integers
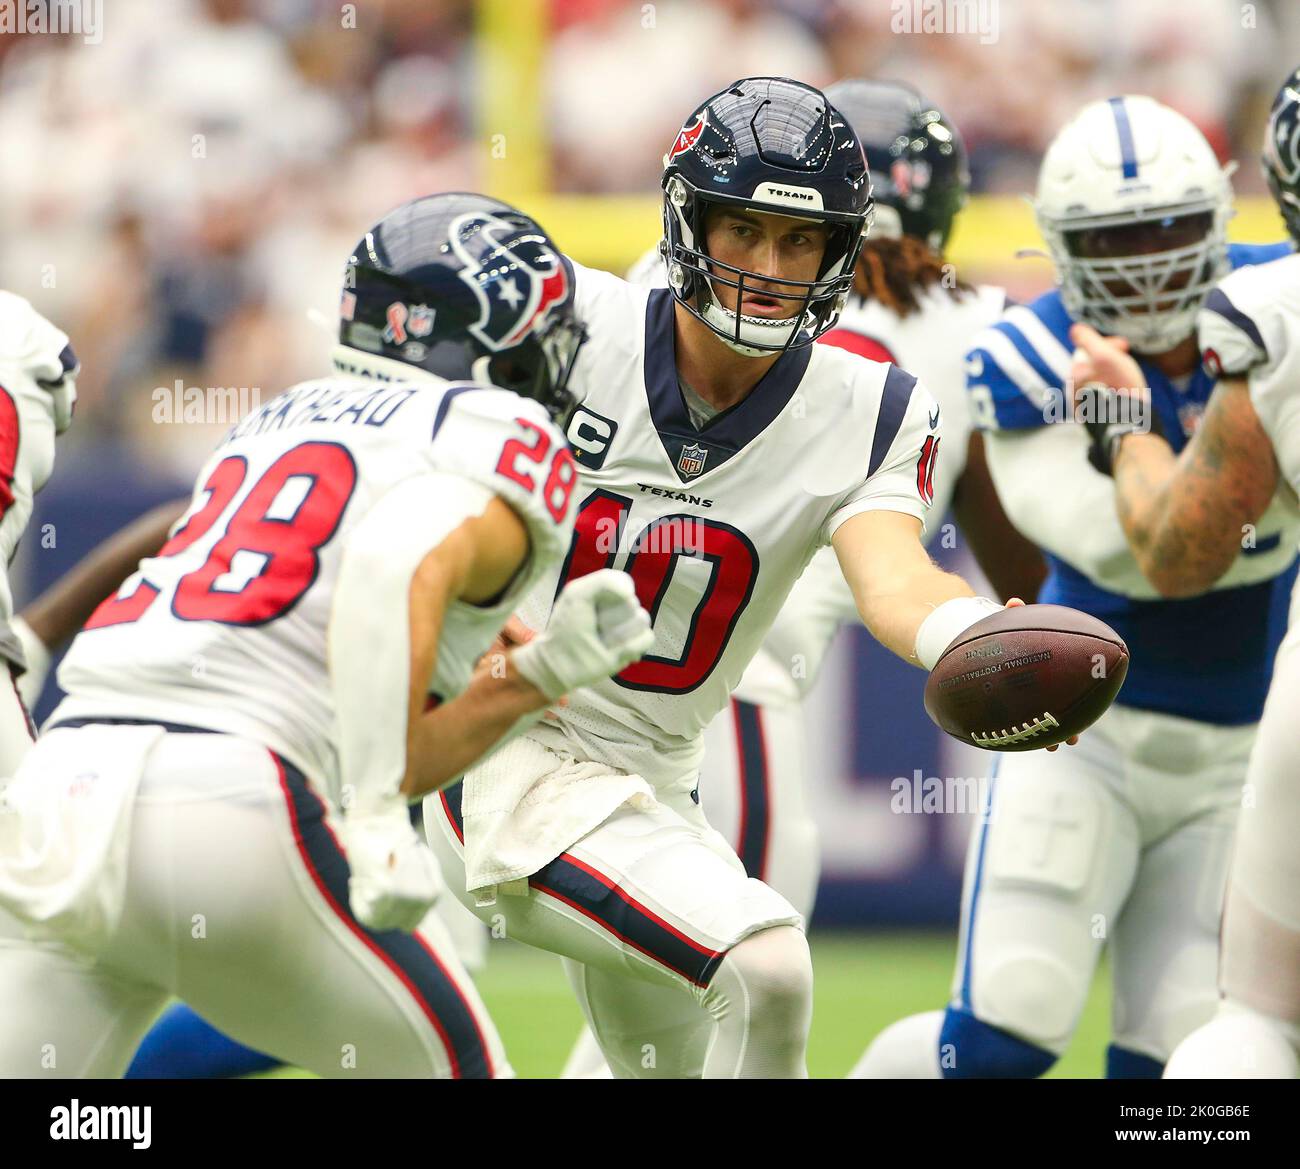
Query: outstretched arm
{"type": "Point", "coordinates": [896, 586]}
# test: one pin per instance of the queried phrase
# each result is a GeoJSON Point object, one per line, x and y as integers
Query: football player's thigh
{"type": "Point", "coordinates": [753, 790]}
{"type": "Point", "coordinates": [1165, 945]}
{"type": "Point", "coordinates": [1261, 922]}
{"type": "Point", "coordinates": [267, 950]}
{"type": "Point", "coordinates": [63, 1017]}
{"type": "Point", "coordinates": [644, 1031]}
{"type": "Point", "coordinates": [1047, 872]}
{"type": "Point", "coordinates": [643, 895]}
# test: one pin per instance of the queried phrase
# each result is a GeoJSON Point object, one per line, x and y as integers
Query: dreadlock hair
{"type": "Point", "coordinates": [894, 271]}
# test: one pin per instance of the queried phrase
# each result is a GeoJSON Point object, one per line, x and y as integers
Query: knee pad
{"type": "Point", "coordinates": [1032, 992]}
{"type": "Point", "coordinates": [970, 1049]}
{"type": "Point", "coordinates": [1123, 1063]}
{"type": "Point", "coordinates": [771, 968]}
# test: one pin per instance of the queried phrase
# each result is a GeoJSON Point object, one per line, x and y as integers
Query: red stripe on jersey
{"type": "Point", "coordinates": [8, 449]}
{"type": "Point", "coordinates": [860, 344]}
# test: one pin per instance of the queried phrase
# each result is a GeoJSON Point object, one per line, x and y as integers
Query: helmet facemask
{"type": "Point", "coordinates": [1141, 275]}
{"type": "Point", "coordinates": [694, 275]}
{"type": "Point", "coordinates": [539, 367]}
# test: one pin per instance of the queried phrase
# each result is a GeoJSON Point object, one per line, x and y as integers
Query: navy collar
{"type": "Point", "coordinates": [692, 452]}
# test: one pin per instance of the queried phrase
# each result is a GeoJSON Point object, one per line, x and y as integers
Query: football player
{"type": "Point", "coordinates": [37, 394]}
{"type": "Point", "coordinates": [719, 448]}
{"type": "Point", "coordinates": [1185, 515]}
{"type": "Point", "coordinates": [1124, 841]}
{"type": "Point", "coordinates": [906, 307]}
{"type": "Point", "coordinates": [218, 810]}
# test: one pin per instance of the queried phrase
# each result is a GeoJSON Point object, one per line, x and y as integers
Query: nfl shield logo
{"type": "Point", "coordinates": [421, 321]}
{"type": "Point", "coordinates": [691, 461]}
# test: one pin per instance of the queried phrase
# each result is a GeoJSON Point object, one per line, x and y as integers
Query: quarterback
{"type": "Point", "coordinates": [218, 810]}
{"type": "Point", "coordinates": [902, 309]}
{"type": "Point", "coordinates": [719, 449]}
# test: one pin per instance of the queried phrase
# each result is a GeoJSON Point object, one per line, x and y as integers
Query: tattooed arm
{"type": "Point", "coordinates": [1184, 516]}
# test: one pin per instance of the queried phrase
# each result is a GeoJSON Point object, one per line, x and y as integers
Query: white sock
{"type": "Point", "coordinates": [1237, 1044]}
{"type": "Point", "coordinates": [906, 1050]}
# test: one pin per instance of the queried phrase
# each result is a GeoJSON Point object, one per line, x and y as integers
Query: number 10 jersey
{"type": "Point", "coordinates": [714, 525]}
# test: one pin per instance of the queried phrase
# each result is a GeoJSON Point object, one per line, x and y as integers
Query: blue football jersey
{"type": "Point", "coordinates": [1207, 658]}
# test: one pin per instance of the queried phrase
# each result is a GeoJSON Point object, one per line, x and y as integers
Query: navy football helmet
{"type": "Point", "coordinates": [917, 159]}
{"type": "Point", "coordinates": [777, 146]}
{"type": "Point", "coordinates": [1282, 153]}
{"type": "Point", "coordinates": [464, 287]}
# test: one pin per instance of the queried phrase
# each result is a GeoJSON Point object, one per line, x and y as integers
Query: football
{"type": "Point", "coordinates": [1026, 678]}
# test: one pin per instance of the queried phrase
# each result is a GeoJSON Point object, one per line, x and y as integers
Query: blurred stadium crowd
{"type": "Point", "coordinates": [176, 196]}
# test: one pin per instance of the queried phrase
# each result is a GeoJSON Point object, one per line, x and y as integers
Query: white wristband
{"type": "Point", "coordinates": [942, 627]}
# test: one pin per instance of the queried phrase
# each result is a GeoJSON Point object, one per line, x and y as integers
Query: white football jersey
{"type": "Point", "coordinates": [227, 627]}
{"type": "Point", "coordinates": [1250, 328]}
{"type": "Point", "coordinates": [714, 525]}
{"type": "Point", "coordinates": [930, 343]}
{"type": "Point", "coordinates": [34, 358]}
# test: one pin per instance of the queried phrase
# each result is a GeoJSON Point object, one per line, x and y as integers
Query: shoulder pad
{"type": "Point", "coordinates": [29, 343]}
{"type": "Point", "coordinates": [1017, 366]}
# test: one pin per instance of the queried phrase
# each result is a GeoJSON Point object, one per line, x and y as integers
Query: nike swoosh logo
{"type": "Point", "coordinates": [934, 419]}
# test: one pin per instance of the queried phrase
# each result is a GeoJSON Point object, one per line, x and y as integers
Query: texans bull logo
{"type": "Point", "coordinates": [1283, 142]}
{"type": "Point", "coordinates": [516, 276]}
{"type": "Point", "coordinates": [687, 137]}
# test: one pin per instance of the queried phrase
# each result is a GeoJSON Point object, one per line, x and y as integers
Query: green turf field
{"type": "Point", "coordinates": [863, 983]}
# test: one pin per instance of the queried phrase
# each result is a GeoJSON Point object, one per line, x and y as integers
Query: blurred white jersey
{"type": "Point", "coordinates": [35, 358]}
{"type": "Point", "coordinates": [714, 525]}
{"type": "Point", "coordinates": [227, 627]}
{"type": "Point", "coordinates": [1250, 328]}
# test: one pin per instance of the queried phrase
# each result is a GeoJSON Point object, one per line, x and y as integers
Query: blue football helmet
{"type": "Point", "coordinates": [776, 146]}
{"type": "Point", "coordinates": [1282, 153]}
{"type": "Point", "coordinates": [464, 287]}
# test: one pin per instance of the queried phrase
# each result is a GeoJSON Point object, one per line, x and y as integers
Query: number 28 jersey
{"type": "Point", "coordinates": [227, 626]}
{"type": "Point", "coordinates": [714, 525]}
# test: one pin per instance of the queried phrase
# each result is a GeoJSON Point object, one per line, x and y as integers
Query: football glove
{"type": "Point", "coordinates": [596, 629]}
{"type": "Point", "coordinates": [1097, 405]}
{"type": "Point", "coordinates": [395, 878]}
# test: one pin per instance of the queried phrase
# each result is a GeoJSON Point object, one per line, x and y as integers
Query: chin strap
{"type": "Point", "coordinates": [723, 322]}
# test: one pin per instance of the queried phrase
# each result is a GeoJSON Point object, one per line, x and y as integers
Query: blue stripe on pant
{"type": "Point", "coordinates": [181, 1045]}
{"type": "Point", "coordinates": [601, 899]}
{"type": "Point", "coordinates": [405, 954]}
{"type": "Point", "coordinates": [755, 809]}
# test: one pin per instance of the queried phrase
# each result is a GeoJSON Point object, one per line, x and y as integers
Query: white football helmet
{"type": "Point", "coordinates": [1134, 207]}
